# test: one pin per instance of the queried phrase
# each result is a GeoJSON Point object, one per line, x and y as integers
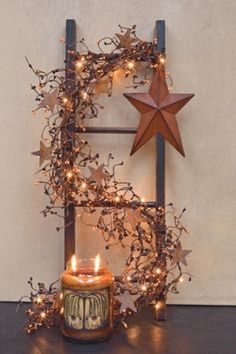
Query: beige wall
{"type": "Point", "coordinates": [202, 56]}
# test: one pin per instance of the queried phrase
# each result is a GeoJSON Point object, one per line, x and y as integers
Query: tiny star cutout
{"type": "Point", "coordinates": [178, 255]}
{"type": "Point", "coordinates": [133, 217]}
{"type": "Point", "coordinates": [100, 86]}
{"type": "Point", "coordinates": [127, 301]}
{"type": "Point", "coordinates": [125, 40]}
{"type": "Point", "coordinates": [97, 174]}
{"type": "Point", "coordinates": [44, 153]}
{"type": "Point", "coordinates": [50, 100]}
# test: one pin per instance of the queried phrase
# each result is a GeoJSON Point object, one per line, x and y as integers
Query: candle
{"type": "Point", "coordinates": [86, 301]}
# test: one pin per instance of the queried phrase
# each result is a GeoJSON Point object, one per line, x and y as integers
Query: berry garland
{"type": "Point", "coordinates": [153, 267]}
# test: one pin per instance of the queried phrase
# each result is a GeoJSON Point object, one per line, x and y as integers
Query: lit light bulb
{"type": "Point", "coordinates": [69, 174]}
{"type": "Point", "coordinates": [128, 278]}
{"type": "Point", "coordinates": [79, 64]}
{"type": "Point", "coordinates": [43, 314]}
{"type": "Point", "coordinates": [39, 300]}
{"type": "Point", "coordinates": [158, 271]}
{"type": "Point", "coordinates": [130, 65]}
{"type": "Point", "coordinates": [181, 279]}
{"type": "Point", "coordinates": [144, 288]}
{"type": "Point", "coordinates": [84, 95]}
{"type": "Point", "coordinates": [65, 100]}
{"type": "Point", "coordinates": [142, 200]}
{"type": "Point", "coordinates": [162, 60]}
{"type": "Point", "coordinates": [157, 306]}
{"type": "Point", "coordinates": [96, 263]}
{"type": "Point", "coordinates": [117, 198]}
{"type": "Point", "coordinates": [83, 185]}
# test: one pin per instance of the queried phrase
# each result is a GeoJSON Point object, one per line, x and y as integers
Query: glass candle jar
{"type": "Point", "coordinates": [86, 301]}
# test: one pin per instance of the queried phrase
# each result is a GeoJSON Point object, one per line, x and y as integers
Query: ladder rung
{"type": "Point", "coordinates": [149, 204]}
{"type": "Point", "coordinates": [107, 130]}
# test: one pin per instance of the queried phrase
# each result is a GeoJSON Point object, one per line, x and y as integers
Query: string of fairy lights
{"type": "Point", "coordinates": [153, 267]}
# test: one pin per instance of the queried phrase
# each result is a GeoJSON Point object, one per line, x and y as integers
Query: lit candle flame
{"type": "Point", "coordinates": [96, 263]}
{"type": "Point", "coordinates": [73, 263]}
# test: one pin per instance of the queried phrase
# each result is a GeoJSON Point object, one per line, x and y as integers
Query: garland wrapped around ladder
{"type": "Point", "coordinates": [71, 173]}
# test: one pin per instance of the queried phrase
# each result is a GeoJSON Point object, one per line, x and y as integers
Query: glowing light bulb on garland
{"type": "Point", "coordinates": [79, 63]}
{"type": "Point", "coordinates": [83, 185]}
{"type": "Point", "coordinates": [144, 288]}
{"type": "Point", "coordinates": [158, 271]}
{"type": "Point", "coordinates": [181, 279]}
{"type": "Point", "coordinates": [67, 104]}
{"type": "Point", "coordinates": [39, 300]}
{"type": "Point", "coordinates": [69, 174]}
{"type": "Point", "coordinates": [84, 95]}
{"type": "Point", "coordinates": [43, 314]}
{"type": "Point", "coordinates": [162, 60]}
{"type": "Point", "coordinates": [130, 65]}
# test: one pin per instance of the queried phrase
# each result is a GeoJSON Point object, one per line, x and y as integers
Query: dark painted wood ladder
{"type": "Point", "coordinates": [69, 235]}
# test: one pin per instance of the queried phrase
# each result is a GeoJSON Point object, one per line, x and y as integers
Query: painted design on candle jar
{"type": "Point", "coordinates": [86, 300]}
{"type": "Point", "coordinates": [86, 310]}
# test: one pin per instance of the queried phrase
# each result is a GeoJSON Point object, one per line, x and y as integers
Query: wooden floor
{"type": "Point", "coordinates": [188, 330]}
